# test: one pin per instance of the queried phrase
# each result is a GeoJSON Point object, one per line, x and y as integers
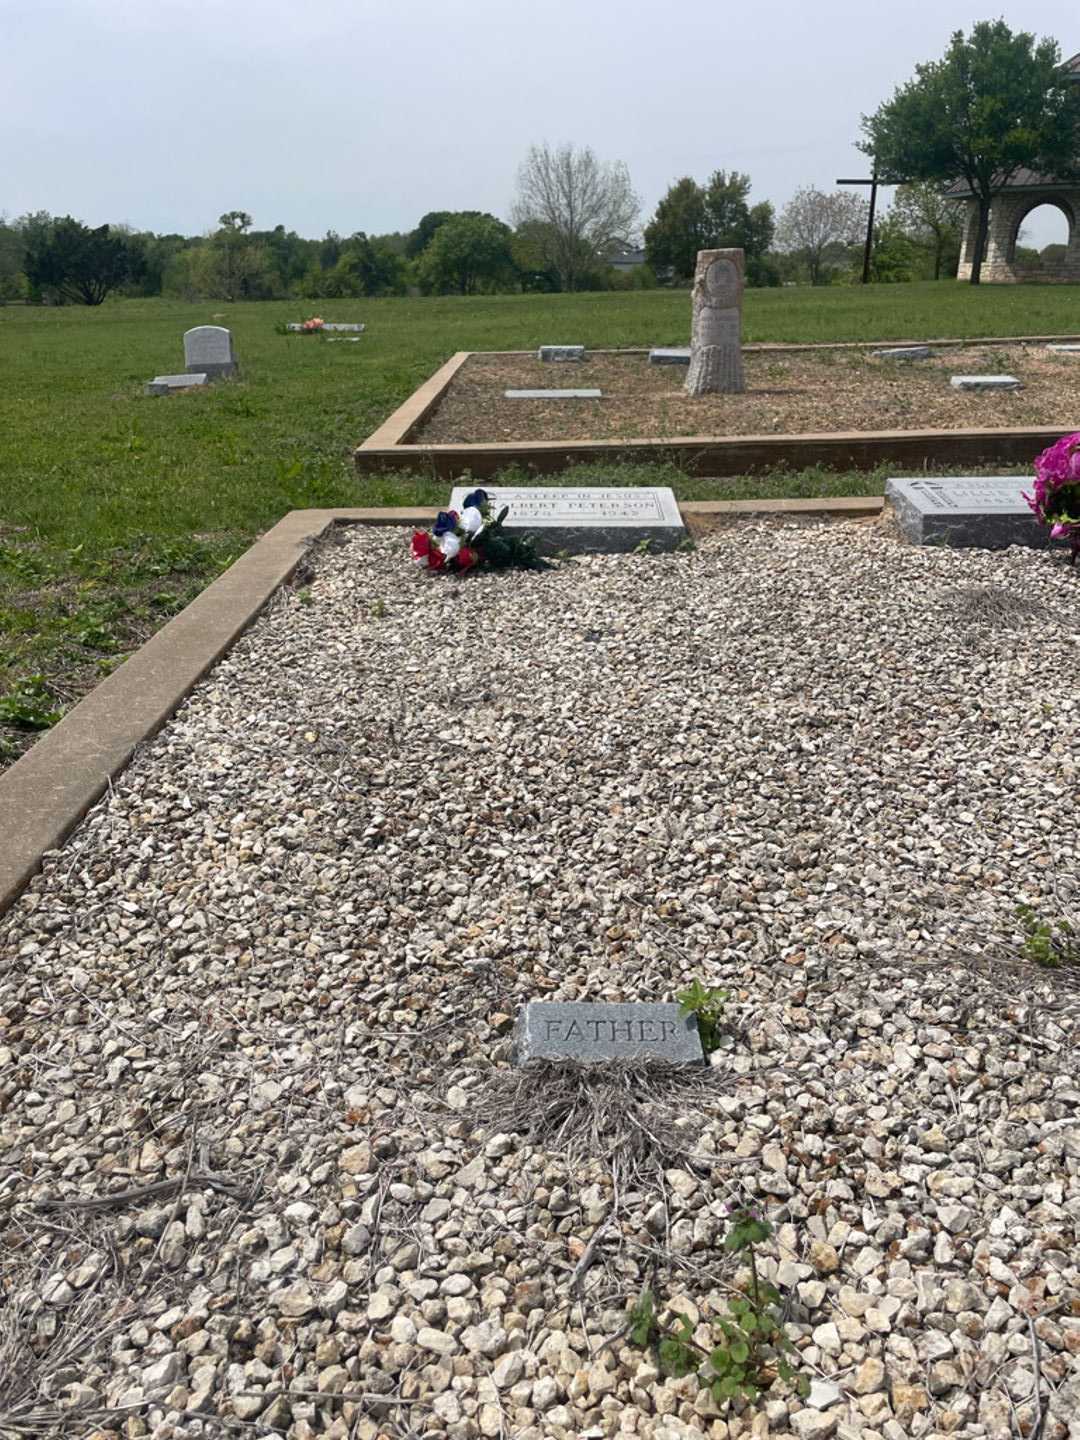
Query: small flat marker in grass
{"type": "Point", "coordinates": [903, 352]}
{"type": "Point", "coordinates": [171, 384]}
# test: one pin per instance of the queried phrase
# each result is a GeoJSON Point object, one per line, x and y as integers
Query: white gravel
{"type": "Point", "coordinates": [282, 957]}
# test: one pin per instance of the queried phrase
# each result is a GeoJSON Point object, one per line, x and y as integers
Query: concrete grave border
{"type": "Point", "coordinates": [390, 449]}
{"type": "Point", "coordinates": [50, 788]}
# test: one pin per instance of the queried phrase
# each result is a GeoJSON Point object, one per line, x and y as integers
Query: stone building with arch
{"type": "Point", "coordinates": [1011, 206]}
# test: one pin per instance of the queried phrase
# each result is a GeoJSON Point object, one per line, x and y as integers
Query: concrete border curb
{"type": "Point", "coordinates": [389, 448]}
{"type": "Point", "coordinates": [45, 794]}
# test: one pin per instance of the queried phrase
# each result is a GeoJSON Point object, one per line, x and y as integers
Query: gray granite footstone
{"type": "Point", "coordinates": [584, 519]}
{"type": "Point", "coordinates": [549, 1030]}
{"type": "Point", "coordinates": [561, 352]}
{"type": "Point", "coordinates": [674, 356]}
{"type": "Point", "coordinates": [552, 394]}
{"type": "Point", "coordinates": [1065, 349]}
{"type": "Point", "coordinates": [904, 352]}
{"type": "Point", "coordinates": [981, 511]}
{"type": "Point", "coordinates": [170, 384]}
{"type": "Point", "coordinates": [984, 382]}
{"type": "Point", "coordinates": [208, 350]}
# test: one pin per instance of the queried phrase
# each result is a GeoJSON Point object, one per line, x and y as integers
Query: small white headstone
{"type": "Point", "coordinates": [208, 350]}
{"type": "Point", "coordinates": [674, 356]}
{"type": "Point", "coordinates": [1064, 349]}
{"type": "Point", "coordinates": [552, 394]}
{"type": "Point", "coordinates": [170, 384]}
{"type": "Point", "coordinates": [984, 382]}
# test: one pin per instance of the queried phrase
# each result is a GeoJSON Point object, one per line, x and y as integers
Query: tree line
{"type": "Point", "coordinates": [994, 105]}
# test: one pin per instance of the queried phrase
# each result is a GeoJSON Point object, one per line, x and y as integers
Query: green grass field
{"type": "Point", "coordinates": [115, 509]}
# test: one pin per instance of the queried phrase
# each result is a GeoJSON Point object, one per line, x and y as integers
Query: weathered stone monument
{"type": "Point", "coordinates": [583, 520]}
{"type": "Point", "coordinates": [208, 350]}
{"type": "Point", "coordinates": [716, 366]}
{"type": "Point", "coordinates": [987, 512]}
{"type": "Point", "coordinates": [549, 1030]}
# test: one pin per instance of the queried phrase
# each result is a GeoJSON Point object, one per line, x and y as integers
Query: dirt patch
{"type": "Point", "coordinates": [797, 393]}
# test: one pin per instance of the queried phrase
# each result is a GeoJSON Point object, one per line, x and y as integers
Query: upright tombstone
{"type": "Point", "coordinates": [208, 350]}
{"type": "Point", "coordinates": [716, 366]}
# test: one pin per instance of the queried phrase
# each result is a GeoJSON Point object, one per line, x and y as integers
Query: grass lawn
{"type": "Point", "coordinates": [116, 509]}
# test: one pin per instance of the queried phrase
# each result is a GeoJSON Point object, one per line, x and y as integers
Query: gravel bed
{"type": "Point", "coordinates": [802, 392]}
{"type": "Point", "coordinates": [267, 988]}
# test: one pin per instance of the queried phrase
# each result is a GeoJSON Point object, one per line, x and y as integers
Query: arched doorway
{"type": "Point", "coordinates": [1040, 237]}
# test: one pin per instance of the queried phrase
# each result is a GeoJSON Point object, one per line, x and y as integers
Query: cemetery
{"type": "Point", "coordinates": [575, 959]}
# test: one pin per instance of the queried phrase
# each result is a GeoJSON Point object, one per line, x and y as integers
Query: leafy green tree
{"type": "Point", "coordinates": [531, 248]}
{"type": "Point", "coordinates": [678, 230]}
{"type": "Point", "coordinates": [364, 268]}
{"type": "Point", "coordinates": [468, 254]}
{"type": "Point", "coordinates": [73, 262]}
{"type": "Point", "coordinates": [894, 255]}
{"type": "Point", "coordinates": [994, 104]}
{"type": "Point", "coordinates": [693, 217]}
{"type": "Point", "coordinates": [931, 221]}
{"type": "Point", "coordinates": [12, 260]}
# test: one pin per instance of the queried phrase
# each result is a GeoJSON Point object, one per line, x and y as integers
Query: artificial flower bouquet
{"type": "Point", "coordinates": [1056, 497]}
{"type": "Point", "coordinates": [474, 536]}
{"type": "Point", "coordinates": [312, 326]}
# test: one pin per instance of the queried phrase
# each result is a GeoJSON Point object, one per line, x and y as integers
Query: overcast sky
{"type": "Point", "coordinates": [363, 114]}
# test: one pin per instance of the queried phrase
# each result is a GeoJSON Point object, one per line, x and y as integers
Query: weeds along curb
{"type": "Point", "coordinates": [46, 792]}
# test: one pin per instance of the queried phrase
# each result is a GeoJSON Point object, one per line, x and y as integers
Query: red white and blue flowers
{"type": "Point", "coordinates": [1056, 497]}
{"type": "Point", "coordinates": [463, 539]}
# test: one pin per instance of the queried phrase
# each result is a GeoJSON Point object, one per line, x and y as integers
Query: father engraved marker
{"type": "Point", "coordinates": [547, 1030]}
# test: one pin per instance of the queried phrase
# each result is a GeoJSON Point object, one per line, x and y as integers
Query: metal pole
{"type": "Point", "coordinates": [870, 230]}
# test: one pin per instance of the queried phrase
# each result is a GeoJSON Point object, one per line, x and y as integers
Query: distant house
{"type": "Point", "coordinates": [625, 257]}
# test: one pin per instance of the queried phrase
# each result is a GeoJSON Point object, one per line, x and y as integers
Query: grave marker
{"type": "Point", "coordinates": [987, 512]}
{"type": "Point", "coordinates": [903, 352]}
{"type": "Point", "coordinates": [984, 382]}
{"type": "Point", "coordinates": [548, 1030]}
{"type": "Point", "coordinates": [716, 366]}
{"type": "Point", "coordinates": [674, 356]}
{"type": "Point", "coordinates": [588, 519]}
{"type": "Point", "coordinates": [170, 384]}
{"type": "Point", "coordinates": [561, 352]}
{"type": "Point", "coordinates": [552, 394]}
{"type": "Point", "coordinates": [208, 350]}
{"type": "Point", "coordinates": [1064, 349]}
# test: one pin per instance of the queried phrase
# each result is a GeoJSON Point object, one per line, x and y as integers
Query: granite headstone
{"type": "Point", "coordinates": [673, 356]}
{"type": "Point", "coordinates": [987, 512]}
{"type": "Point", "coordinates": [1064, 349]}
{"type": "Point", "coordinates": [549, 1030]}
{"type": "Point", "coordinates": [208, 350]}
{"type": "Point", "coordinates": [561, 352]}
{"type": "Point", "coordinates": [583, 519]}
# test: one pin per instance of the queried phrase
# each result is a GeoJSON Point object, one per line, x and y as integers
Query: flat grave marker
{"type": "Point", "coordinates": [1064, 349]}
{"type": "Point", "coordinates": [986, 512]}
{"type": "Point", "coordinates": [171, 384]}
{"type": "Point", "coordinates": [561, 352]}
{"type": "Point", "coordinates": [350, 329]}
{"type": "Point", "coordinates": [208, 350]}
{"type": "Point", "coordinates": [552, 394]}
{"type": "Point", "coordinates": [676, 355]}
{"type": "Point", "coordinates": [903, 352]}
{"type": "Point", "coordinates": [588, 519]}
{"type": "Point", "coordinates": [579, 1030]}
{"type": "Point", "coordinates": [984, 382]}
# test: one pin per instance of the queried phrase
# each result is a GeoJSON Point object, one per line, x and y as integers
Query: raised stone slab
{"type": "Point", "coordinates": [674, 356]}
{"type": "Point", "coordinates": [561, 352]}
{"type": "Point", "coordinates": [552, 394]}
{"type": "Point", "coordinates": [987, 512]}
{"type": "Point", "coordinates": [170, 384]}
{"type": "Point", "coordinates": [903, 352]}
{"type": "Point", "coordinates": [1064, 349]}
{"type": "Point", "coordinates": [548, 1030]}
{"type": "Point", "coordinates": [984, 382]}
{"type": "Point", "coordinates": [587, 519]}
